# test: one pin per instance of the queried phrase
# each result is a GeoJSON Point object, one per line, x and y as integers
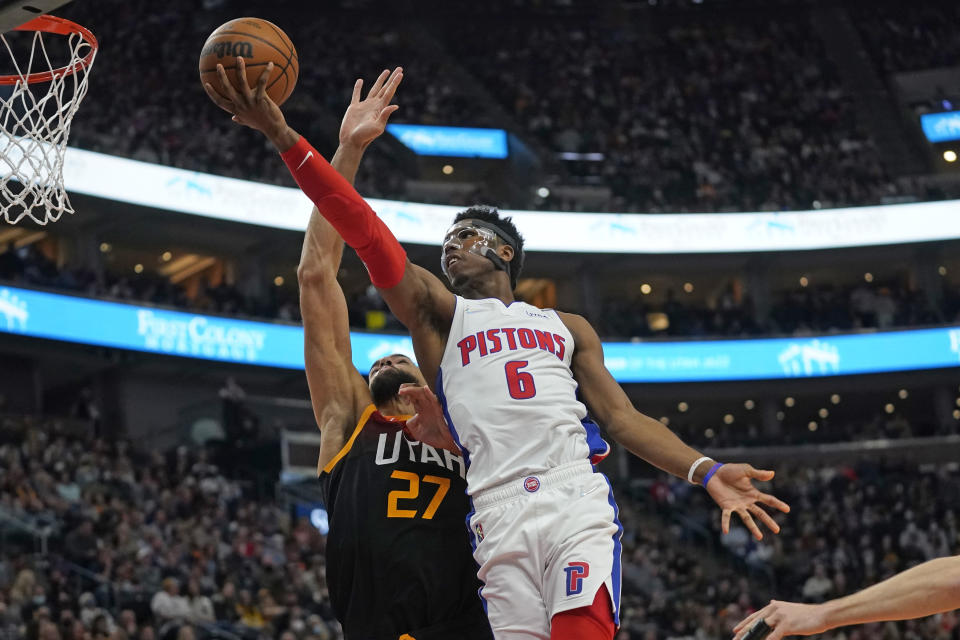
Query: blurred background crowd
{"type": "Point", "coordinates": [667, 108]}
{"type": "Point", "coordinates": [154, 545]}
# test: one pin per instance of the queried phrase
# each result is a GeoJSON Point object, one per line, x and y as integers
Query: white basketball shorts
{"type": "Point", "coordinates": [545, 544]}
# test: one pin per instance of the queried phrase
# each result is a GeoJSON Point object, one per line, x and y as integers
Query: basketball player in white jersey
{"type": "Point", "coordinates": [517, 382]}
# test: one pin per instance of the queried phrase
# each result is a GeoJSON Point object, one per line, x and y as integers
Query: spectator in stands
{"type": "Point", "coordinates": [225, 602]}
{"type": "Point", "coordinates": [81, 544]}
{"type": "Point", "coordinates": [77, 631]}
{"type": "Point", "coordinates": [168, 605]}
{"type": "Point", "coordinates": [818, 586]}
{"type": "Point", "coordinates": [201, 607]}
{"type": "Point", "coordinates": [92, 615]}
{"type": "Point", "coordinates": [47, 630]}
{"type": "Point", "coordinates": [249, 612]}
{"type": "Point", "coordinates": [22, 590]}
{"type": "Point", "coordinates": [233, 395]}
{"type": "Point", "coordinates": [100, 628]}
{"type": "Point", "coordinates": [87, 408]}
{"type": "Point", "coordinates": [127, 622]}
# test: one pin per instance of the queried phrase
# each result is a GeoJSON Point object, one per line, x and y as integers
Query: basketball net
{"type": "Point", "coordinates": [37, 104]}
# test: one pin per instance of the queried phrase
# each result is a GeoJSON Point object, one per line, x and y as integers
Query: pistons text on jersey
{"type": "Point", "coordinates": [494, 340]}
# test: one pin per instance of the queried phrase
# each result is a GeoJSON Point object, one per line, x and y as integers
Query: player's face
{"type": "Point", "coordinates": [463, 251]}
{"type": "Point", "coordinates": [388, 374]}
{"type": "Point", "coordinates": [398, 363]}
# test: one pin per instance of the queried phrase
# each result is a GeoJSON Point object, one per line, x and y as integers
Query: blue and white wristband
{"type": "Point", "coordinates": [710, 473]}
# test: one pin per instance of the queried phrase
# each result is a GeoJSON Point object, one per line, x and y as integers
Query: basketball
{"type": "Point", "coordinates": [259, 42]}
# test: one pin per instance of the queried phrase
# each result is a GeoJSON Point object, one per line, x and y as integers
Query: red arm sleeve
{"type": "Point", "coordinates": [350, 215]}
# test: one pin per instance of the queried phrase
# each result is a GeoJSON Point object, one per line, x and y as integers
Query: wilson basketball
{"type": "Point", "coordinates": [259, 42]}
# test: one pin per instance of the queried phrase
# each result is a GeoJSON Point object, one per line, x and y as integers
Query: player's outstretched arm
{"type": "Point", "coordinates": [336, 388]}
{"type": "Point", "coordinates": [417, 297]}
{"type": "Point", "coordinates": [338, 392]}
{"type": "Point", "coordinates": [929, 588]}
{"type": "Point", "coordinates": [331, 376]}
{"type": "Point", "coordinates": [731, 486]}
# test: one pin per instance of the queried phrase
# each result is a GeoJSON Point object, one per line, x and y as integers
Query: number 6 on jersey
{"type": "Point", "coordinates": [520, 383]}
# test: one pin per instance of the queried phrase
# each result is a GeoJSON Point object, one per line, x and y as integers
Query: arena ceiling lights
{"type": "Point", "coordinates": [244, 201]}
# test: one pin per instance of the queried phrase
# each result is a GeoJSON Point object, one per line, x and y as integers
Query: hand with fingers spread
{"type": "Point", "coordinates": [365, 120]}
{"type": "Point", "coordinates": [785, 619]}
{"type": "Point", "coordinates": [732, 488]}
{"type": "Point", "coordinates": [252, 107]}
{"type": "Point", "coordinates": [428, 425]}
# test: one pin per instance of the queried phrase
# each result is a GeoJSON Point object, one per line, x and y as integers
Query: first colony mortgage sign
{"type": "Point", "coordinates": [274, 344]}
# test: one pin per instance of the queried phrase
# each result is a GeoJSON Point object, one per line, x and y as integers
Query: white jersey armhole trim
{"type": "Point", "coordinates": [455, 325]}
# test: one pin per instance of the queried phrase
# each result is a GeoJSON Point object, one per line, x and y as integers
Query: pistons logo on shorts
{"type": "Point", "coordinates": [531, 483]}
{"type": "Point", "coordinates": [576, 572]}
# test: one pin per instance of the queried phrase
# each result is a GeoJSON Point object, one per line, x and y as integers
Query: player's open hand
{"type": "Point", "coordinates": [365, 120]}
{"type": "Point", "coordinates": [428, 425]}
{"type": "Point", "coordinates": [733, 490]}
{"type": "Point", "coordinates": [786, 619]}
{"type": "Point", "coordinates": [251, 107]}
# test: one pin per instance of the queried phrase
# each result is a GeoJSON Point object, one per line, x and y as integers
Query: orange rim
{"type": "Point", "coordinates": [62, 27]}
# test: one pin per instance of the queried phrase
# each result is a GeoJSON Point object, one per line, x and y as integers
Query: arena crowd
{"type": "Point", "coordinates": [151, 545]}
{"type": "Point", "coordinates": [689, 109]}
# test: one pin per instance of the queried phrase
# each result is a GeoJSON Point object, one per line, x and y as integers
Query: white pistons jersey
{"type": "Point", "coordinates": [509, 394]}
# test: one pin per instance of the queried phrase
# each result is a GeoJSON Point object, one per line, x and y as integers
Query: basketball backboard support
{"type": "Point", "coordinates": [14, 13]}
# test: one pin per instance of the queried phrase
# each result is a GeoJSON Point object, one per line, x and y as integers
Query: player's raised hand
{"type": "Point", "coordinates": [428, 425]}
{"type": "Point", "coordinates": [366, 119]}
{"type": "Point", "coordinates": [251, 107]}
{"type": "Point", "coordinates": [733, 490]}
{"type": "Point", "coordinates": [785, 619]}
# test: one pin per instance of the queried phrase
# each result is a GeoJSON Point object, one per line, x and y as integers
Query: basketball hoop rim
{"type": "Point", "coordinates": [62, 27]}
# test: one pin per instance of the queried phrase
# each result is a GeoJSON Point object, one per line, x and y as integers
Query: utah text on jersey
{"type": "Point", "coordinates": [391, 446]}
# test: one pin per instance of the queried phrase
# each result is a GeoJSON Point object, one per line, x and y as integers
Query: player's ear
{"type": "Point", "coordinates": [506, 252]}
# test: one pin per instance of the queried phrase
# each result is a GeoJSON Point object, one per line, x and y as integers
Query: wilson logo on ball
{"type": "Point", "coordinates": [259, 42]}
{"type": "Point", "coordinates": [228, 49]}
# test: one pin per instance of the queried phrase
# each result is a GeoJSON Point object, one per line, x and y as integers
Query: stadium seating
{"type": "Point", "coordinates": [165, 545]}
{"type": "Point", "coordinates": [688, 111]}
